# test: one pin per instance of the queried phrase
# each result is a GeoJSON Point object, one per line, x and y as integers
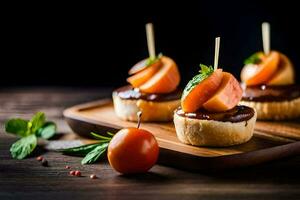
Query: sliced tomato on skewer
{"type": "Point", "coordinates": [227, 96]}
{"type": "Point", "coordinates": [264, 70]}
{"type": "Point", "coordinates": [202, 92]}
{"type": "Point", "coordinates": [165, 80]}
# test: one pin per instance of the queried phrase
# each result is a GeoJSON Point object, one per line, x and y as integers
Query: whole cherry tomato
{"type": "Point", "coordinates": [132, 150]}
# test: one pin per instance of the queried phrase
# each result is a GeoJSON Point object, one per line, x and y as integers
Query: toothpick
{"type": "Point", "coordinates": [150, 40]}
{"type": "Point", "coordinates": [266, 37]}
{"type": "Point", "coordinates": [217, 49]}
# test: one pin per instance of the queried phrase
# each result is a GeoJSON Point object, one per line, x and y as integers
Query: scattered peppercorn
{"type": "Point", "coordinates": [67, 167]}
{"type": "Point", "coordinates": [44, 162]}
{"type": "Point", "coordinates": [72, 173]}
{"type": "Point", "coordinates": [77, 173]}
{"type": "Point", "coordinates": [40, 158]}
{"type": "Point", "coordinates": [93, 176]}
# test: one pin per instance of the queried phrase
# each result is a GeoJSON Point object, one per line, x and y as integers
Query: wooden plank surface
{"type": "Point", "coordinates": [290, 129]}
{"type": "Point", "coordinates": [26, 179]}
{"type": "Point", "coordinates": [102, 113]}
{"type": "Point", "coordinates": [99, 116]}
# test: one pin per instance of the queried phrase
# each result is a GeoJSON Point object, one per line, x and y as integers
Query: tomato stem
{"type": "Point", "coordinates": [139, 114]}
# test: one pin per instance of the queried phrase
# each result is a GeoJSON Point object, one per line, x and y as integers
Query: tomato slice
{"type": "Point", "coordinates": [265, 70]}
{"type": "Point", "coordinates": [227, 96]}
{"type": "Point", "coordinates": [202, 92]}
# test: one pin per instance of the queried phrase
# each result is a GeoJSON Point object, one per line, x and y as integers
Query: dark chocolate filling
{"type": "Point", "coordinates": [127, 92]}
{"type": "Point", "coordinates": [237, 114]}
{"type": "Point", "coordinates": [266, 93]}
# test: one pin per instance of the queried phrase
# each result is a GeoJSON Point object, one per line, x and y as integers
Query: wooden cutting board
{"type": "Point", "coordinates": [272, 140]}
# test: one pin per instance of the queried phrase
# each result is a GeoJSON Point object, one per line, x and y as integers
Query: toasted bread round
{"type": "Point", "coordinates": [153, 111]}
{"type": "Point", "coordinates": [277, 110]}
{"type": "Point", "coordinates": [200, 132]}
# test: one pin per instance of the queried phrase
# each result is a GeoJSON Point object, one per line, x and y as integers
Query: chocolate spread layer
{"type": "Point", "coordinates": [237, 114]}
{"type": "Point", "coordinates": [266, 93]}
{"type": "Point", "coordinates": [127, 92]}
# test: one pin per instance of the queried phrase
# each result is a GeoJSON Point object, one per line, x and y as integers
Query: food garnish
{"type": "Point", "coordinates": [29, 131]}
{"type": "Point", "coordinates": [90, 152]}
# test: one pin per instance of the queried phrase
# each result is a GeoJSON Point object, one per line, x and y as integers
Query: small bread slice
{"type": "Point", "coordinates": [276, 110]}
{"type": "Point", "coordinates": [200, 132]}
{"type": "Point", "coordinates": [153, 111]}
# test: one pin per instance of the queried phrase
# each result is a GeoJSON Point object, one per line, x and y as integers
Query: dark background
{"type": "Point", "coordinates": [96, 44]}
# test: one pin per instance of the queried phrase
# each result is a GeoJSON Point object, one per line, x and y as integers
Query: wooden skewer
{"type": "Point", "coordinates": [217, 49]}
{"type": "Point", "coordinates": [266, 37]}
{"type": "Point", "coordinates": [150, 40]}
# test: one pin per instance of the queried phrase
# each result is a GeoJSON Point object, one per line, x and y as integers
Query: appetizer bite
{"type": "Point", "coordinates": [209, 114]}
{"type": "Point", "coordinates": [269, 83]}
{"type": "Point", "coordinates": [152, 90]}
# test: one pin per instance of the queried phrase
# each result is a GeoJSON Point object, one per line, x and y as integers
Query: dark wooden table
{"type": "Point", "coordinates": [27, 179]}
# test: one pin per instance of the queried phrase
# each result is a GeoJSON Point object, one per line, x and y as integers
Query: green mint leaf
{"type": "Point", "coordinates": [23, 147]}
{"type": "Point", "coordinates": [95, 154]}
{"type": "Point", "coordinates": [47, 131]}
{"type": "Point", "coordinates": [205, 69]}
{"type": "Point", "coordinates": [205, 72]}
{"type": "Point", "coordinates": [16, 126]}
{"type": "Point", "coordinates": [253, 59]}
{"type": "Point", "coordinates": [80, 150]}
{"type": "Point", "coordinates": [37, 121]}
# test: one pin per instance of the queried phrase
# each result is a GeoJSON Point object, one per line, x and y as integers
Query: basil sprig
{"type": "Point", "coordinates": [29, 131]}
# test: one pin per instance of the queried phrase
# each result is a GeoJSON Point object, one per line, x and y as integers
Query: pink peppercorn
{"type": "Point", "coordinates": [93, 176]}
{"type": "Point", "coordinates": [77, 173]}
{"type": "Point", "coordinates": [40, 158]}
{"type": "Point", "coordinates": [72, 173]}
